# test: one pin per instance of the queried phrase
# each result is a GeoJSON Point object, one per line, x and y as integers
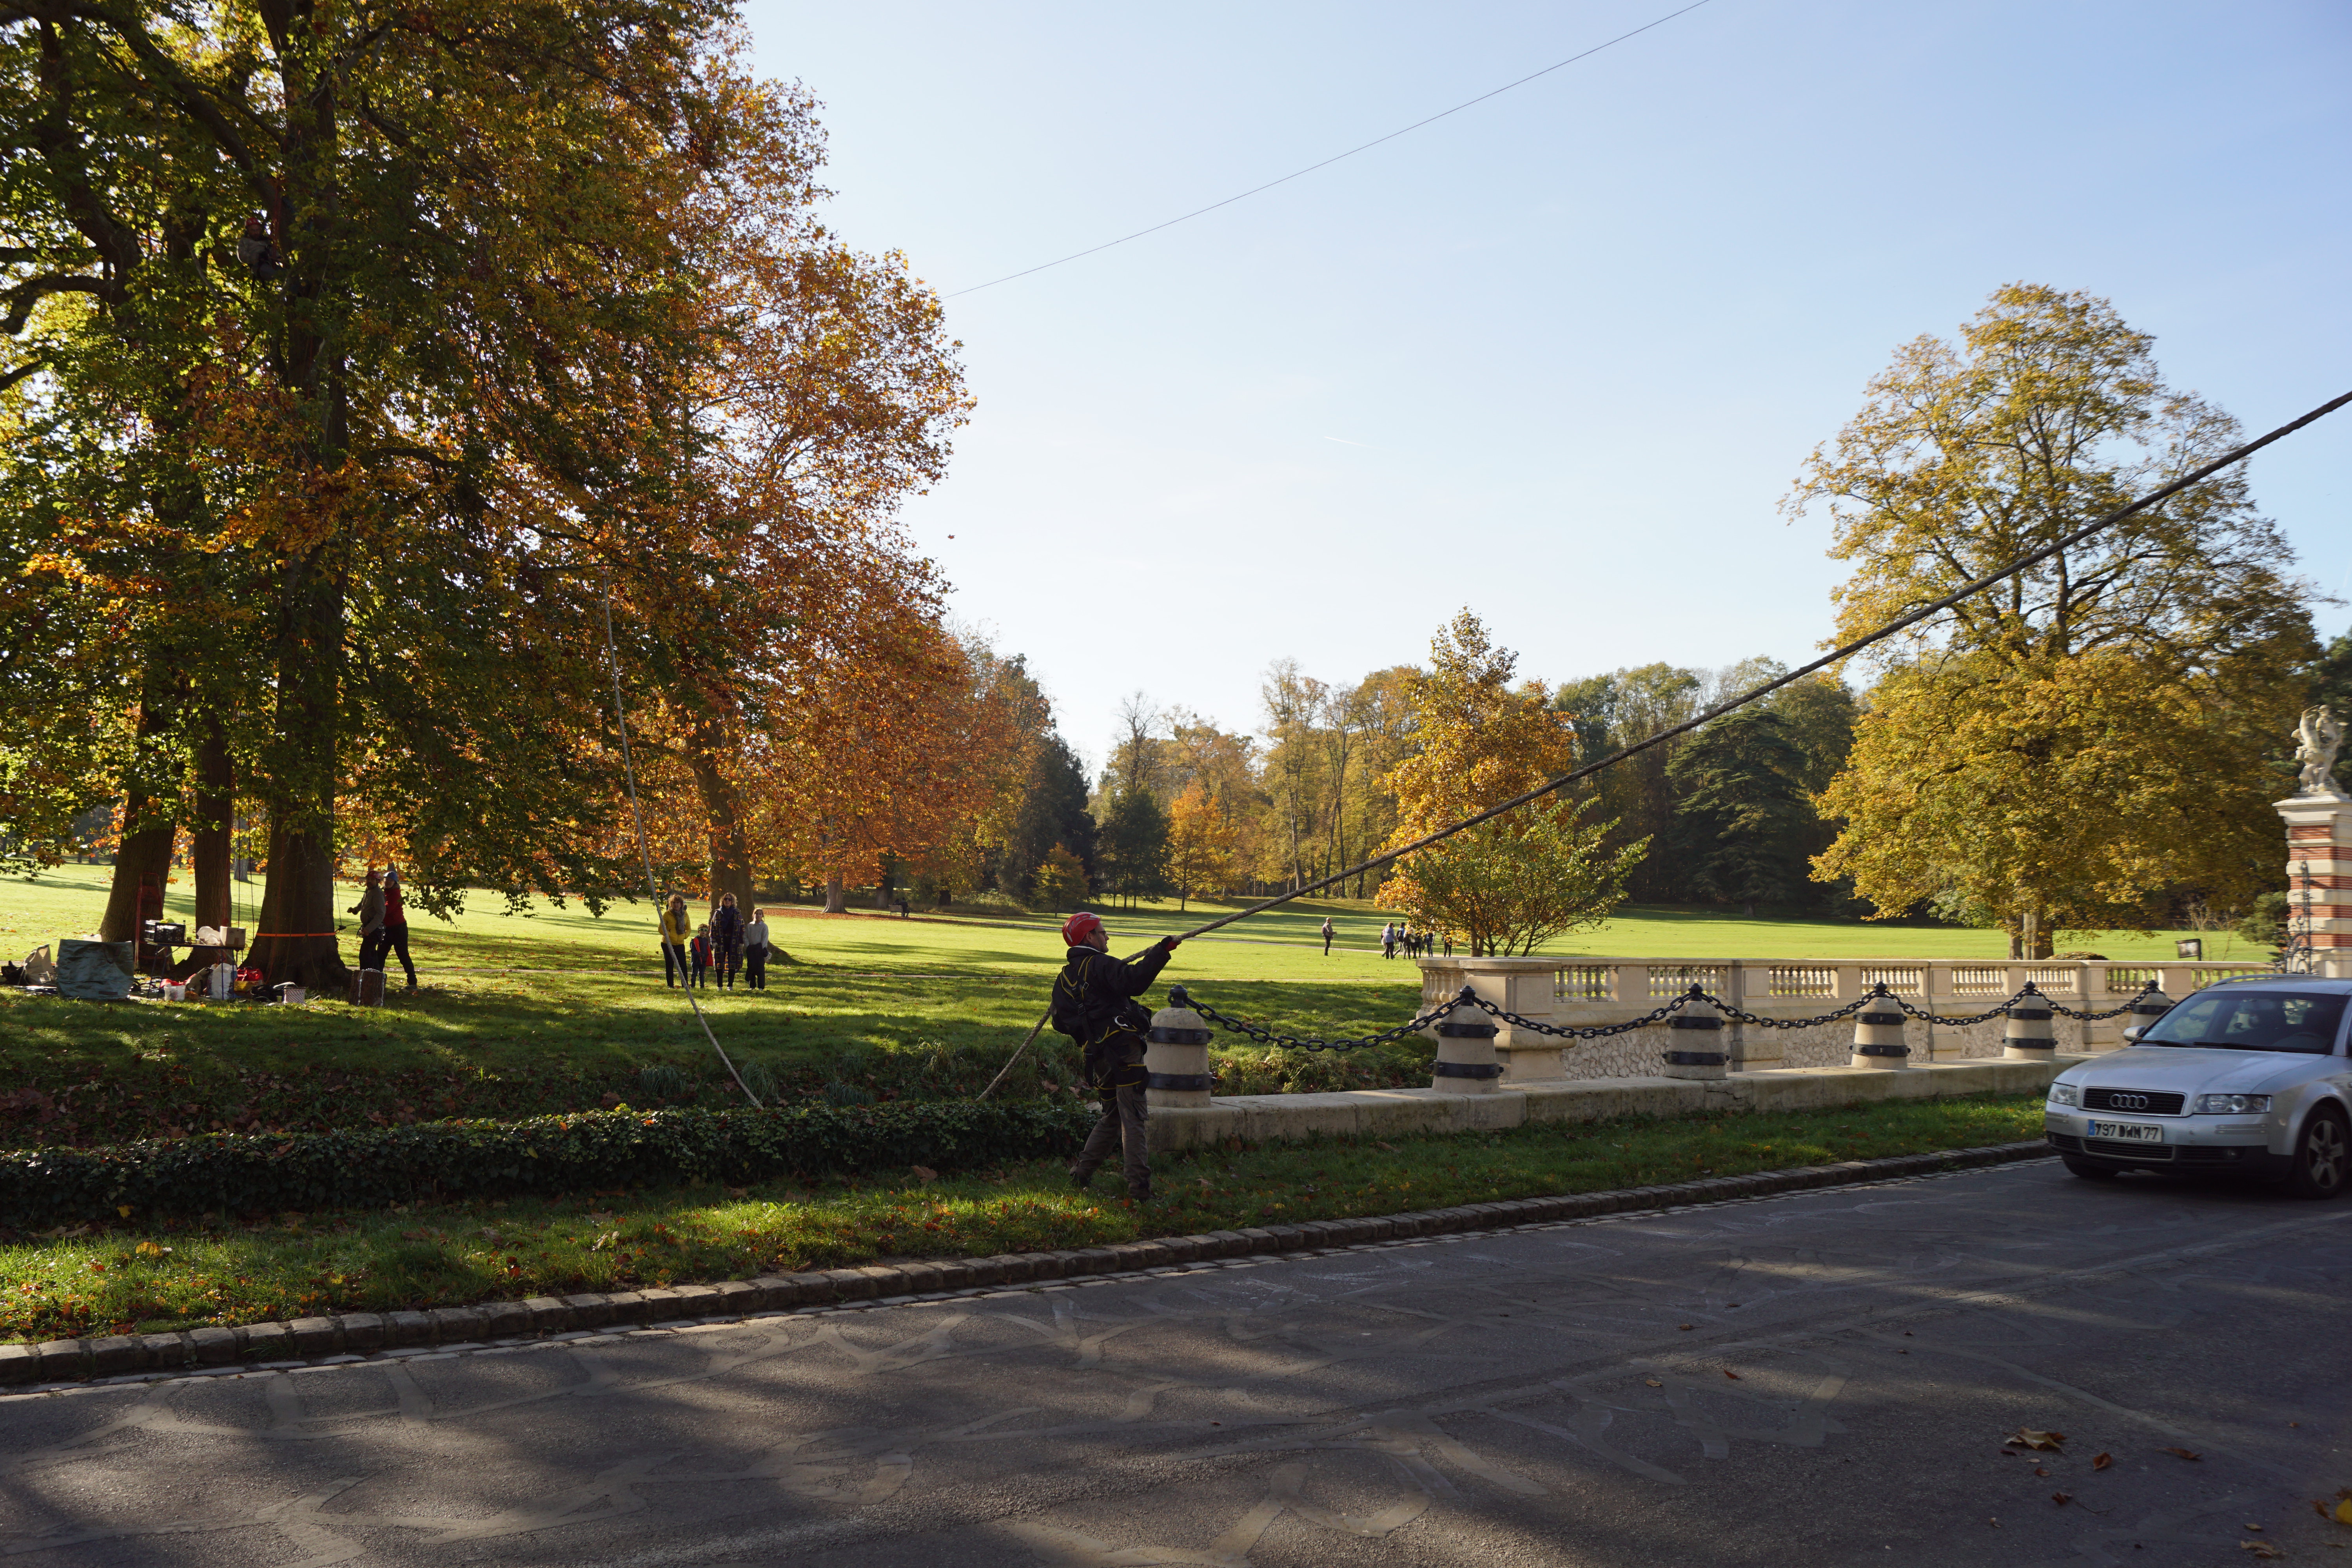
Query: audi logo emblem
{"type": "Point", "coordinates": [2127, 1101]}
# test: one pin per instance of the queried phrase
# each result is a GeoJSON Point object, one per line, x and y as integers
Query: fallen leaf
{"type": "Point", "coordinates": [2047, 1442]}
{"type": "Point", "coordinates": [1731, 1375]}
{"type": "Point", "coordinates": [1653, 1383]}
{"type": "Point", "coordinates": [1682, 1325]}
{"type": "Point", "coordinates": [2343, 1514]}
{"type": "Point", "coordinates": [2061, 1499]}
{"type": "Point", "coordinates": [1390, 1147]}
{"type": "Point", "coordinates": [925, 1174]}
{"type": "Point", "coordinates": [122, 1209]}
{"type": "Point", "coordinates": [2255, 1528]}
{"type": "Point", "coordinates": [2040, 1472]}
{"type": "Point", "coordinates": [2101, 1461]}
{"type": "Point", "coordinates": [2180, 1453]}
{"type": "Point", "coordinates": [2260, 1549]}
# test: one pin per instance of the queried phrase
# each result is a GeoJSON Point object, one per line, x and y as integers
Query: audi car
{"type": "Point", "coordinates": [2248, 1076]}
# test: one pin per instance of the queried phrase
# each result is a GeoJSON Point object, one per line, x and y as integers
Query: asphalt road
{"type": "Point", "coordinates": [1823, 1378]}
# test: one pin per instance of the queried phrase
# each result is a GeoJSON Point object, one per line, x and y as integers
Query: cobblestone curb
{"type": "Point", "coordinates": [353, 1334]}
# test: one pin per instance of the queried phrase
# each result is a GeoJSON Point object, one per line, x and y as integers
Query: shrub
{"type": "Point", "coordinates": [234, 1173]}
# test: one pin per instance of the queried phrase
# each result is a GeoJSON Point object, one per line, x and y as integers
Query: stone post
{"type": "Point", "coordinates": [1938, 995]}
{"type": "Point", "coordinates": [1696, 1042]}
{"type": "Point", "coordinates": [2028, 1037]}
{"type": "Point", "coordinates": [1176, 1058]}
{"type": "Point", "coordinates": [2319, 878]}
{"type": "Point", "coordinates": [1520, 986]}
{"type": "Point", "coordinates": [1878, 1035]}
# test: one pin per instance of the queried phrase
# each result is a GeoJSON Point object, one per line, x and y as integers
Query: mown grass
{"type": "Point", "coordinates": [223, 1270]}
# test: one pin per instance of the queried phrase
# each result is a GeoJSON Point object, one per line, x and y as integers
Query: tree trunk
{"type": "Point", "coordinates": [142, 858]}
{"type": "Point", "coordinates": [297, 938]}
{"type": "Point", "coordinates": [836, 897]}
{"type": "Point", "coordinates": [209, 835]}
{"type": "Point", "coordinates": [722, 808]}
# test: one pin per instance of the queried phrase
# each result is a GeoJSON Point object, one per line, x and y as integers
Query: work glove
{"type": "Point", "coordinates": [1168, 943]}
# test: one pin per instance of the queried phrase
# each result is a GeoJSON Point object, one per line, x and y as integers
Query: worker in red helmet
{"type": "Point", "coordinates": [1094, 1003]}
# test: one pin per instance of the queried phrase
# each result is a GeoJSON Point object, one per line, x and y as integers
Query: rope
{"type": "Point", "coordinates": [636, 813]}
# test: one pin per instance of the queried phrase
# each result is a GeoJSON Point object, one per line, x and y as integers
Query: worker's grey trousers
{"type": "Point", "coordinates": [1123, 1113]}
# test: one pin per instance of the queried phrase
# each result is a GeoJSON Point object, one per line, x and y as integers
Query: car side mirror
{"type": "Point", "coordinates": [2132, 1032]}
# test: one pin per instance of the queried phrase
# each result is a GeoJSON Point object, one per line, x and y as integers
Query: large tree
{"type": "Point", "coordinates": [2074, 744]}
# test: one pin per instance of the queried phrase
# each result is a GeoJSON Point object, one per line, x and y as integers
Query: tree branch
{"type": "Point", "coordinates": [33, 291]}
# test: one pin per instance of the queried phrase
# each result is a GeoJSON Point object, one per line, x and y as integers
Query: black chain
{"type": "Point", "coordinates": [1179, 997]}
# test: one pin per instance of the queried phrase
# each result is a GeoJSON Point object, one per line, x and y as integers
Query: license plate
{"type": "Point", "coordinates": [2127, 1132]}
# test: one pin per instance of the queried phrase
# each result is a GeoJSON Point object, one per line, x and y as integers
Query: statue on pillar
{"type": "Point", "coordinates": [2318, 738]}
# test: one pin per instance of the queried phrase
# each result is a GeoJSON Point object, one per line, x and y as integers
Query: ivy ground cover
{"type": "Point", "coordinates": [148, 1278]}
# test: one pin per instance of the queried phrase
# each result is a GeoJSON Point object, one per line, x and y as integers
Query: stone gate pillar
{"type": "Point", "coordinates": [2319, 877]}
{"type": "Point", "coordinates": [1521, 985]}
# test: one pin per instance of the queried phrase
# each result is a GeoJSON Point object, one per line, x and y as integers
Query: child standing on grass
{"type": "Point", "coordinates": [755, 951]}
{"type": "Point", "coordinates": [701, 952]}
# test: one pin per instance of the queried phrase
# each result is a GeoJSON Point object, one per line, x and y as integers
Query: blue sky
{"type": "Point", "coordinates": [1556, 357]}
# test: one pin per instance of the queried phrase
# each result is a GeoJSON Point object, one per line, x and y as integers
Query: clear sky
{"type": "Point", "coordinates": [1556, 357]}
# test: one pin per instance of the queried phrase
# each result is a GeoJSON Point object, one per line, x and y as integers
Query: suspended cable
{"type": "Point", "coordinates": [1336, 157]}
{"type": "Point", "coordinates": [1837, 656]}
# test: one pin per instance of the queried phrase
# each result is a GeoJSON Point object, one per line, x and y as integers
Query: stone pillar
{"type": "Point", "coordinates": [1176, 1056]}
{"type": "Point", "coordinates": [2028, 1037]}
{"type": "Point", "coordinates": [1936, 995]}
{"type": "Point", "coordinates": [1695, 1042]}
{"type": "Point", "coordinates": [1878, 1035]}
{"type": "Point", "coordinates": [1521, 985]}
{"type": "Point", "coordinates": [2319, 878]}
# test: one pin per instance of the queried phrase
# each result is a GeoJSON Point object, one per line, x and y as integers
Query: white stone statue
{"type": "Point", "coordinates": [2319, 736]}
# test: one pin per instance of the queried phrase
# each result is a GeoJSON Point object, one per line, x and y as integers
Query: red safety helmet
{"type": "Point", "coordinates": [1080, 928]}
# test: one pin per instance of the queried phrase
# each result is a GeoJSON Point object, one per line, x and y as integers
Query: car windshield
{"type": "Point", "coordinates": [2250, 1021]}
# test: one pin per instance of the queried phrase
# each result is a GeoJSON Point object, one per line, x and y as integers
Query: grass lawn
{"type": "Point", "coordinates": [152, 1279]}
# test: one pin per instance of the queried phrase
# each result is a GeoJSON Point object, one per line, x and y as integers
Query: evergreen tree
{"type": "Point", "coordinates": [1053, 813]}
{"type": "Point", "coordinates": [1741, 823]}
{"type": "Point", "coordinates": [1132, 848]}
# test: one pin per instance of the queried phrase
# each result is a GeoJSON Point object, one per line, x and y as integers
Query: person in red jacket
{"type": "Point", "coordinates": [394, 937]}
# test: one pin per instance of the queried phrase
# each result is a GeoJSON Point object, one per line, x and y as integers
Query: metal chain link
{"type": "Point", "coordinates": [1180, 997]}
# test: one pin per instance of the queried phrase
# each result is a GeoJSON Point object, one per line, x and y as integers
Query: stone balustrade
{"type": "Point", "coordinates": [1579, 992]}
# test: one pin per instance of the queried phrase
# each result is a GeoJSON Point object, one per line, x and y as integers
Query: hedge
{"type": "Point", "coordinates": [228, 1172]}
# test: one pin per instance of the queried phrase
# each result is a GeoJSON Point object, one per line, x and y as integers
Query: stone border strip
{"type": "Point", "coordinates": [352, 1335]}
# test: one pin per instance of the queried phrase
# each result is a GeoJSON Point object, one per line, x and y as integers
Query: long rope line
{"type": "Point", "coordinates": [636, 813]}
{"type": "Point", "coordinates": [1336, 157]}
{"type": "Point", "coordinates": [1935, 607]}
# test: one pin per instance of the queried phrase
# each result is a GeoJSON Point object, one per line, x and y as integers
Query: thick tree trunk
{"type": "Point", "coordinates": [143, 859]}
{"type": "Point", "coordinates": [297, 938]}
{"type": "Point", "coordinates": [722, 808]}
{"type": "Point", "coordinates": [836, 897]}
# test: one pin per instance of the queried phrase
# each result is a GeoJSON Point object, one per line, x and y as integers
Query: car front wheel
{"type": "Point", "coordinates": [2323, 1155]}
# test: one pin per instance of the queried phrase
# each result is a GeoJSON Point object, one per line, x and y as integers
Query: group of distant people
{"type": "Point", "coordinates": [690, 952]}
{"type": "Point", "coordinates": [1397, 936]}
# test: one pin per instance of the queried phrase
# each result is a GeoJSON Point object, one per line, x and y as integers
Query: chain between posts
{"type": "Point", "coordinates": [1179, 996]}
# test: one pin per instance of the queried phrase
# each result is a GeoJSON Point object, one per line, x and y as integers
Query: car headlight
{"type": "Point", "coordinates": [2066, 1094]}
{"type": "Point", "coordinates": [2231, 1104]}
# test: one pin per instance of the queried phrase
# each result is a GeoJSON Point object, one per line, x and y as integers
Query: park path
{"type": "Point", "coordinates": [1820, 1378]}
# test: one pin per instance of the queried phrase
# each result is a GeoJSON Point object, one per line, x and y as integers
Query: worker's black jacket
{"type": "Point", "coordinates": [1094, 1003]}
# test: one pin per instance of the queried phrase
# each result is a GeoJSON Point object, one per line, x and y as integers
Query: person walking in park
{"type": "Point", "coordinates": [675, 929]}
{"type": "Point", "coordinates": [1094, 1003]}
{"type": "Point", "coordinates": [701, 952]}
{"type": "Point", "coordinates": [1330, 930]}
{"type": "Point", "coordinates": [755, 951]}
{"type": "Point", "coordinates": [395, 935]}
{"type": "Point", "coordinates": [727, 939]}
{"type": "Point", "coordinates": [1388, 940]}
{"type": "Point", "coordinates": [370, 909]}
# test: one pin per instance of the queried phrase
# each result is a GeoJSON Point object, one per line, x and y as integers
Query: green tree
{"type": "Point", "coordinates": [1131, 846]}
{"type": "Point", "coordinates": [1742, 813]}
{"type": "Point", "coordinates": [1053, 816]}
{"type": "Point", "coordinates": [2075, 745]}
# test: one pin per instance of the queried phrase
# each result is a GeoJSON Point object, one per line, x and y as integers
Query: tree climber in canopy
{"type": "Point", "coordinates": [1094, 1003]}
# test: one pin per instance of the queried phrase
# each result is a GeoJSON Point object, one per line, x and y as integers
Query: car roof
{"type": "Point", "coordinates": [2325, 984]}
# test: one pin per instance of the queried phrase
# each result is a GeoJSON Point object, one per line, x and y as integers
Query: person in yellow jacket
{"type": "Point", "coordinates": [677, 929]}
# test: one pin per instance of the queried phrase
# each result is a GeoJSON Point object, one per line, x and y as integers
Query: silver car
{"type": "Point", "coordinates": [2248, 1076]}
